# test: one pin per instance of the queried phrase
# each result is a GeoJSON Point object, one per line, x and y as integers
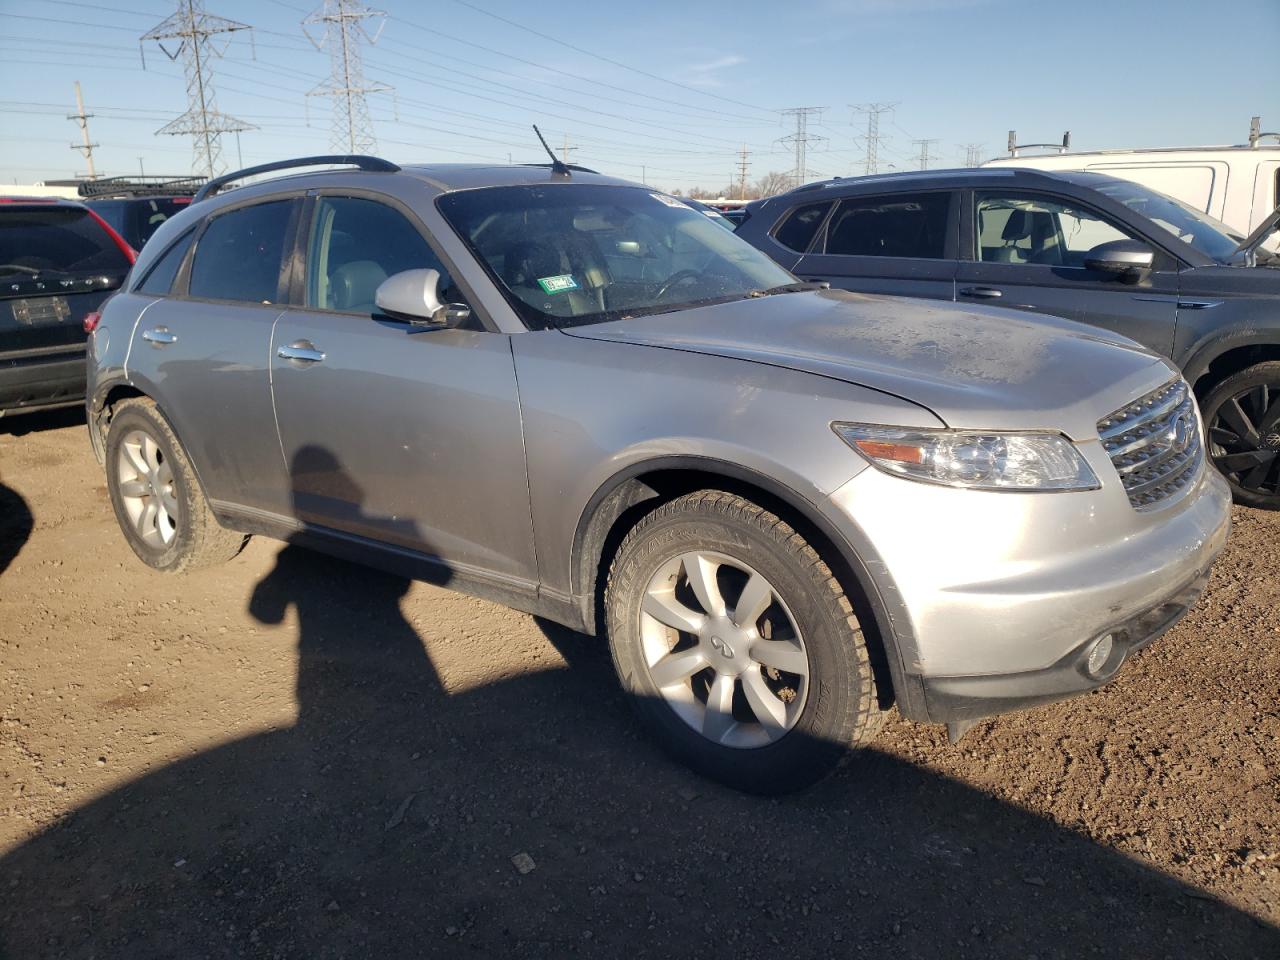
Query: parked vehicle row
{"type": "Point", "coordinates": [1079, 245]}
{"type": "Point", "coordinates": [789, 507]}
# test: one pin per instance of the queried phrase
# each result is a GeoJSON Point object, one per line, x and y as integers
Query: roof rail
{"type": "Point", "coordinates": [373, 164]}
{"type": "Point", "coordinates": [140, 186]}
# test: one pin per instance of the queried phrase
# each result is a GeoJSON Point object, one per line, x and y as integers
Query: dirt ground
{"type": "Point", "coordinates": [290, 756]}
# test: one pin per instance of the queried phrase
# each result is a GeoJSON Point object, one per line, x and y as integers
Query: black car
{"type": "Point", "coordinates": [58, 262]}
{"type": "Point", "coordinates": [136, 206]}
{"type": "Point", "coordinates": [1083, 246]}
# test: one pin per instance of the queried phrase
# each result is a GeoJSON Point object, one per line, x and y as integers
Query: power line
{"type": "Point", "coordinates": [924, 146]}
{"type": "Point", "coordinates": [873, 139]}
{"type": "Point", "coordinates": [801, 139]}
{"type": "Point", "coordinates": [193, 29]}
{"type": "Point", "coordinates": [345, 27]}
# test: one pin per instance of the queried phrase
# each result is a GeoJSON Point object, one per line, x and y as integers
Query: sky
{"type": "Point", "coordinates": [667, 91]}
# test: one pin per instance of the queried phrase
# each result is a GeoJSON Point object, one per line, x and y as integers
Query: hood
{"type": "Point", "coordinates": [973, 367]}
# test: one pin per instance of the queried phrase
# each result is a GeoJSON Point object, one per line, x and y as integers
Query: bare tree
{"type": "Point", "coordinates": [772, 183]}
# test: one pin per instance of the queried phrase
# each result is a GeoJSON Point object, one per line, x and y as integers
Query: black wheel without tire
{"type": "Point", "coordinates": [1242, 420]}
{"type": "Point", "coordinates": [156, 496]}
{"type": "Point", "coordinates": [737, 645]}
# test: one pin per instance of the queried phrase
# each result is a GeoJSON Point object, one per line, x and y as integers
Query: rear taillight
{"type": "Point", "coordinates": [119, 241]}
{"type": "Point", "coordinates": [91, 321]}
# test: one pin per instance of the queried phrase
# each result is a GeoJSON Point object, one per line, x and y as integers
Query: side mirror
{"type": "Point", "coordinates": [414, 295]}
{"type": "Point", "coordinates": [1129, 259]}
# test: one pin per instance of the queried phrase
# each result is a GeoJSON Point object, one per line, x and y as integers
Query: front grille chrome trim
{"type": "Point", "coordinates": [1142, 440]}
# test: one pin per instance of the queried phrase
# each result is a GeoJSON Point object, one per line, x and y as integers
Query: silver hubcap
{"type": "Point", "coordinates": [724, 650]}
{"type": "Point", "coordinates": [146, 489]}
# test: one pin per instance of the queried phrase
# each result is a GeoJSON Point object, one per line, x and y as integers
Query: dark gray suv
{"type": "Point", "coordinates": [788, 506]}
{"type": "Point", "coordinates": [1083, 246]}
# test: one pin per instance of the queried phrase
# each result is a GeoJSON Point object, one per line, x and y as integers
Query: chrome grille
{"type": "Point", "coordinates": [1155, 444]}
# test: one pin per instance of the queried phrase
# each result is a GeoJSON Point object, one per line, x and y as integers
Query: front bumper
{"type": "Point", "coordinates": [992, 600]}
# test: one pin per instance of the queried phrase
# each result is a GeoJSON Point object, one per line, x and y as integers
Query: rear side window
{"type": "Point", "coordinates": [56, 240]}
{"type": "Point", "coordinates": [239, 255]}
{"type": "Point", "coordinates": [798, 229]}
{"type": "Point", "coordinates": [159, 279]}
{"type": "Point", "coordinates": [902, 225]}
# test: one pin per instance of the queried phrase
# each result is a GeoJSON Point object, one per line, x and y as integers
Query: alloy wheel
{"type": "Point", "coordinates": [1244, 439]}
{"type": "Point", "coordinates": [147, 490]}
{"type": "Point", "coordinates": [723, 650]}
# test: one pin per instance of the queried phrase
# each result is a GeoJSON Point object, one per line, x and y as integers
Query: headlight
{"type": "Point", "coordinates": [979, 461]}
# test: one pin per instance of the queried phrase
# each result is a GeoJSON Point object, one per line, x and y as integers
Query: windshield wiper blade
{"type": "Point", "coordinates": [799, 286]}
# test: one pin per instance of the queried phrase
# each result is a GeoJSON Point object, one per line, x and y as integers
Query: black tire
{"type": "Point", "coordinates": [198, 539]}
{"type": "Point", "coordinates": [841, 710]}
{"type": "Point", "coordinates": [1242, 425]}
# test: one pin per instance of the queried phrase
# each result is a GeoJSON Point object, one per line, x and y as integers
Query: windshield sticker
{"type": "Point", "coordinates": [669, 201]}
{"type": "Point", "coordinates": [559, 284]}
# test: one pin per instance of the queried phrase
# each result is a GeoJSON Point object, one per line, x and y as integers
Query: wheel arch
{"type": "Point", "coordinates": [641, 487]}
{"type": "Point", "coordinates": [1217, 361]}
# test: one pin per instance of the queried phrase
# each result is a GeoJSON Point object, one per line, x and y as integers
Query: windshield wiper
{"type": "Point", "coordinates": [798, 287]}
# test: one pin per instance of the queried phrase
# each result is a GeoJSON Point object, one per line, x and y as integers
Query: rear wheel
{"type": "Point", "coordinates": [157, 499]}
{"type": "Point", "coordinates": [1242, 417]}
{"type": "Point", "coordinates": [737, 644]}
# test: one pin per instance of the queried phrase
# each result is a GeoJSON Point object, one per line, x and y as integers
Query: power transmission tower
{"type": "Point", "coordinates": [82, 118]}
{"type": "Point", "coordinates": [873, 139]}
{"type": "Point", "coordinates": [346, 26]}
{"type": "Point", "coordinates": [743, 166]}
{"type": "Point", "coordinates": [973, 154]}
{"type": "Point", "coordinates": [924, 151]}
{"type": "Point", "coordinates": [801, 139]}
{"type": "Point", "coordinates": [194, 30]}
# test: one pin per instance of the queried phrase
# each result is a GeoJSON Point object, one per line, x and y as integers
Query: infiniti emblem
{"type": "Point", "coordinates": [1179, 435]}
{"type": "Point", "coordinates": [722, 647]}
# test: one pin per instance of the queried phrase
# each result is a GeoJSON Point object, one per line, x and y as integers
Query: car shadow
{"type": "Point", "coordinates": [16, 524]}
{"type": "Point", "coordinates": [530, 817]}
{"type": "Point", "coordinates": [20, 424]}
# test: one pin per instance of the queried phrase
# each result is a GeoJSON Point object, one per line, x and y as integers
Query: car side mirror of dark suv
{"type": "Point", "coordinates": [414, 295]}
{"type": "Point", "coordinates": [1129, 260]}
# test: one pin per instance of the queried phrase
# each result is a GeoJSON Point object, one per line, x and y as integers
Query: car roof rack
{"type": "Point", "coordinates": [140, 186]}
{"type": "Point", "coordinates": [372, 164]}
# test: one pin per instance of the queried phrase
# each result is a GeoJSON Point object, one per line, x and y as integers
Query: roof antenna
{"type": "Point", "coordinates": [557, 165]}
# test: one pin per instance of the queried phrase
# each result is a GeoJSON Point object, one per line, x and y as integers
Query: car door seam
{"type": "Point", "coordinates": [524, 451]}
{"type": "Point", "coordinates": [271, 389]}
{"type": "Point", "coordinates": [128, 353]}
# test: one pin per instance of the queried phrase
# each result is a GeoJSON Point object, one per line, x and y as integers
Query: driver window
{"type": "Point", "coordinates": [1033, 231]}
{"type": "Point", "coordinates": [355, 245]}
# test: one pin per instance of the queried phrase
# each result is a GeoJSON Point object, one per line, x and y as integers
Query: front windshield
{"type": "Point", "coordinates": [569, 254]}
{"type": "Point", "coordinates": [1211, 237]}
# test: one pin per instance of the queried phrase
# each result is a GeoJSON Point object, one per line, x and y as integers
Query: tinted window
{"type": "Point", "coordinates": [56, 239]}
{"type": "Point", "coordinates": [1211, 237]}
{"type": "Point", "coordinates": [796, 232]}
{"type": "Point", "coordinates": [159, 279]}
{"type": "Point", "coordinates": [358, 243]}
{"type": "Point", "coordinates": [903, 225]}
{"type": "Point", "coordinates": [1039, 231]}
{"type": "Point", "coordinates": [239, 254]}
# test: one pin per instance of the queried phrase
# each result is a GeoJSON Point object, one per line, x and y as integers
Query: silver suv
{"type": "Point", "coordinates": [788, 507]}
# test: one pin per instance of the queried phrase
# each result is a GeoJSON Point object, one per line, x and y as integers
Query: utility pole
{"type": "Point", "coordinates": [193, 30]}
{"type": "Point", "coordinates": [973, 154]}
{"type": "Point", "coordinates": [873, 139]}
{"type": "Point", "coordinates": [801, 139]}
{"type": "Point", "coordinates": [565, 149]}
{"type": "Point", "coordinates": [924, 151]}
{"type": "Point", "coordinates": [346, 25]}
{"type": "Point", "coordinates": [743, 164]}
{"type": "Point", "coordinates": [82, 119]}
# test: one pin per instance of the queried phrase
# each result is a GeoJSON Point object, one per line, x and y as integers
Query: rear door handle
{"type": "Point", "coordinates": [303, 351]}
{"type": "Point", "coordinates": [160, 336]}
{"type": "Point", "coordinates": [986, 293]}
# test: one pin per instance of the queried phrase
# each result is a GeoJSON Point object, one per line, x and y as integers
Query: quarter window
{"type": "Point", "coordinates": [159, 279]}
{"type": "Point", "coordinates": [901, 225]}
{"type": "Point", "coordinates": [1039, 231]}
{"type": "Point", "coordinates": [355, 245]}
{"type": "Point", "coordinates": [240, 253]}
{"type": "Point", "coordinates": [798, 229]}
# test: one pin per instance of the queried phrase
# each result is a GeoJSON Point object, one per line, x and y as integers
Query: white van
{"type": "Point", "coordinates": [1238, 185]}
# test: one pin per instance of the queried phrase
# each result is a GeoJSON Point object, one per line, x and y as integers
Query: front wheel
{"type": "Point", "coordinates": [737, 645]}
{"type": "Point", "coordinates": [1242, 418]}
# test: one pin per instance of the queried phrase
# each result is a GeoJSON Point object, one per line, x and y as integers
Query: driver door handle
{"type": "Point", "coordinates": [301, 351]}
{"type": "Point", "coordinates": [160, 336]}
{"type": "Point", "coordinates": [986, 293]}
